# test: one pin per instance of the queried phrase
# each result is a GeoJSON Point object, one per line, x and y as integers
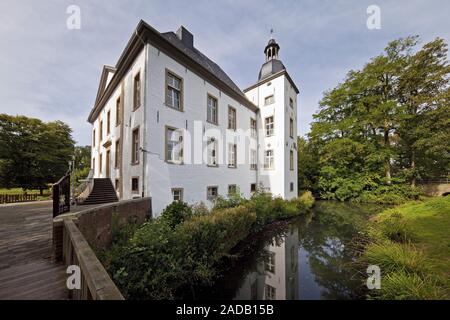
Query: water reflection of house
{"type": "Point", "coordinates": [277, 277]}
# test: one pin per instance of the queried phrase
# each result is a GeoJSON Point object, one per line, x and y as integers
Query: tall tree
{"type": "Point", "coordinates": [33, 153]}
{"type": "Point", "coordinates": [385, 123]}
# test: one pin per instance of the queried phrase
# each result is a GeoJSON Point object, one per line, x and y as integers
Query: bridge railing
{"type": "Point", "coordinates": [95, 281]}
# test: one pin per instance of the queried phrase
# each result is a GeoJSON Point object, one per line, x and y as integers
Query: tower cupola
{"type": "Point", "coordinates": [271, 50]}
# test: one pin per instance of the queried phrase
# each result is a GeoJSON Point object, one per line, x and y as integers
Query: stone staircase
{"type": "Point", "coordinates": [102, 192]}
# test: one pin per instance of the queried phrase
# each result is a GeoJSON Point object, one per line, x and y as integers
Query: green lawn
{"type": "Point", "coordinates": [47, 193]}
{"type": "Point", "coordinates": [412, 242]}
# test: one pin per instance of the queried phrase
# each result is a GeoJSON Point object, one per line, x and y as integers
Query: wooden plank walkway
{"type": "Point", "coordinates": [26, 270]}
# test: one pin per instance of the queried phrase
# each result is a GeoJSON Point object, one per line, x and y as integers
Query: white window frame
{"type": "Point", "coordinates": [174, 145]}
{"type": "Point", "coordinates": [232, 155]}
{"type": "Point", "coordinates": [253, 128]}
{"type": "Point", "coordinates": [211, 149]}
{"type": "Point", "coordinates": [253, 160]}
{"type": "Point", "coordinates": [209, 192]}
{"type": "Point", "coordinates": [269, 126]}
{"type": "Point", "coordinates": [212, 112]}
{"type": "Point", "coordinates": [269, 159]}
{"type": "Point", "coordinates": [180, 195]}
{"type": "Point", "coordinates": [174, 91]}
{"type": "Point", "coordinates": [269, 100]}
{"type": "Point", "coordinates": [232, 118]}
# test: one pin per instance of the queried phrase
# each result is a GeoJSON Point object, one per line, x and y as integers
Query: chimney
{"type": "Point", "coordinates": [185, 36]}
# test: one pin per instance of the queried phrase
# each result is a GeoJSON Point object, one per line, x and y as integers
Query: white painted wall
{"type": "Point", "coordinates": [193, 177]}
{"type": "Point", "coordinates": [277, 180]}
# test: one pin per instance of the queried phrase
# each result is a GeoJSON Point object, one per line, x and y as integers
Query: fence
{"type": "Point", "coordinates": [15, 198]}
{"type": "Point", "coordinates": [95, 281]}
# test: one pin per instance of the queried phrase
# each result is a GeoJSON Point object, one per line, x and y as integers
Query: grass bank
{"type": "Point", "coordinates": [168, 257]}
{"type": "Point", "coordinates": [411, 245]}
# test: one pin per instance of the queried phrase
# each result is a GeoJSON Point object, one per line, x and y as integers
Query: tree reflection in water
{"type": "Point", "coordinates": [311, 259]}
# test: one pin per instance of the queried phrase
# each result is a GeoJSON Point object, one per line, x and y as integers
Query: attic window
{"type": "Point", "coordinates": [269, 100]}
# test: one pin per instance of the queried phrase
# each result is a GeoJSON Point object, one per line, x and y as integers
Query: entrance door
{"type": "Point", "coordinates": [108, 163]}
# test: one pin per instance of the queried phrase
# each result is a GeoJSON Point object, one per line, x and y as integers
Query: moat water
{"type": "Point", "coordinates": [309, 258]}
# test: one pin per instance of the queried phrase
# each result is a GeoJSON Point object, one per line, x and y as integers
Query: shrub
{"type": "Point", "coordinates": [176, 213]}
{"type": "Point", "coordinates": [159, 260]}
{"type": "Point", "coordinates": [199, 209]}
{"type": "Point", "coordinates": [395, 227]}
{"type": "Point", "coordinates": [392, 257]}
{"type": "Point", "coordinates": [231, 201]}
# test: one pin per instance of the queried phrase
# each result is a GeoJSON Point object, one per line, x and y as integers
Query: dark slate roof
{"type": "Point", "coordinates": [203, 60]}
{"type": "Point", "coordinates": [269, 68]}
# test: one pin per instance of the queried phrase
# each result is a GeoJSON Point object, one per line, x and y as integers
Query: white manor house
{"type": "Point", "coordinates": [168, 123]}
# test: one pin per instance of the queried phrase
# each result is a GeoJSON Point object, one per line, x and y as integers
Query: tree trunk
{"type": "Point", "coordinates": [387, 161]}
{"type": "Point", "coordinates": [41, 191]}
{"type": "Point", "coordinates": [413, 168]}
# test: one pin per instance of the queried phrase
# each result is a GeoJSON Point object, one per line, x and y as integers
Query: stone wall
{"type": "Point", "coordinates": [97, 224]}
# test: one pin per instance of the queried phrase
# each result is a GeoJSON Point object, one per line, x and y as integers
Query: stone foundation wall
{"type": "Point", "coordinates": [97, 224]}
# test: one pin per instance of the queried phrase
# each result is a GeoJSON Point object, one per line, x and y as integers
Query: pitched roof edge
{"type": "Point", "coordinates": [275, 75]}
{"type": "Point", "coordinates": [149, 35]}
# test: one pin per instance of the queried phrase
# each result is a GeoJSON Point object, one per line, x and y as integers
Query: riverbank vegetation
{"type": "Point", "coordinates": [384, 128]}
{"type": "Point", "coordinates": [181, 250]}
{"type": "Point", "coordinates": [410, 243]}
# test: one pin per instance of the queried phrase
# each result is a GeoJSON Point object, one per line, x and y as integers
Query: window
{"type": "Point", "coordinates": [254, 290]}
{"type": "Point", "coordinates": [291, 160]}
{"type": "Point", "coordinates": [270, 264]}
{"type": "Point", "coordinates": [135, 185]}
{"type": "Point", "coordinates": [117, 154]}
{"type": "Point", "coordinates": [269, 160]}
{"type": "Point", "coordinates": [177, 194]}
{"type": "Point", "coordinates": [292, 187]}
{"type": "Point", "coordinates": [117, 184]}
{"type": "Point", "coordinates": [212, 152]}
{"type": "Point", "coordinates": [269, 126]}
{"type": "Point", "coordinates": [291, 128]}
{"type": "Point", "coordinates": [253, 163]}
{"type": "Point", "coordinates": [212, 193]}
{"type": "Point", "coordinates": [270, 292]}
{"type": "Point", "coordinates": [253, 128]}
{"type": "Point", "coordinates": [108, 123]}
{"type": "Point", "coordinates": [93, 164]}
{"type": "Point", "coordinates": [137, 91]}
{"type": "Point", "coordinates": [232, 189]}
{"type": "Point", "coordinates": [231, 118]}
{"type": "Point", "coordinates": [269, 100]}
{"type": "Point", "coordinates": [291, 102]}
{"type": "Point", "coordinates": [212, 110]}
{"type": "Point", "coordinates": [135, 147]}
{"type": "Point", "coordinates": [253, 187]}
{"type": "Point", "coordinates": [100, 134]}
{"type": "Point", "coordinates": [174, 145]}
{"type": "Point", "coordinates": [100, 162]}
{"type": "Point", "coordinates": [174, 91]}
{"type": "Point", "coordinates": [118, 112]}
{"type": "Point", "coordinates": [93, 138]}
{"type": "Point", "coordinates": [232, 156]}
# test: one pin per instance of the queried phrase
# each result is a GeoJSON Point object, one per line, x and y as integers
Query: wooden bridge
{"type": "Point", "coordinates": [27, 267]}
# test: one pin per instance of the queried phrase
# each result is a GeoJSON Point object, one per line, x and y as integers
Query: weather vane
{"type": "Point", "coordinates": [271, 33]}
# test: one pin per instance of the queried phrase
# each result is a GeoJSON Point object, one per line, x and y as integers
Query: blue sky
{"type": "Point", "coordinates": [50, 72]}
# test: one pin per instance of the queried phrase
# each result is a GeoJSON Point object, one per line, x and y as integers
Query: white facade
{"type": "Point", "coordinates": [153, 173]}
